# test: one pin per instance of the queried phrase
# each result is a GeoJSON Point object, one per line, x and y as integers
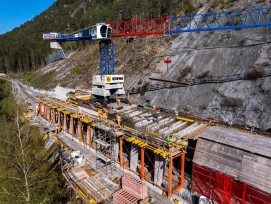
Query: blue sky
{"type": "Point", "coordinates": [13, 13]}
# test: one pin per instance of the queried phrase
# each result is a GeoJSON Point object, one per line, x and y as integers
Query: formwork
{"type": "Point", "coordinates": [143, 149]}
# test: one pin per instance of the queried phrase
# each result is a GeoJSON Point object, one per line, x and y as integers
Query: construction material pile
{"type": "Point", "coordinates": [133, 190]}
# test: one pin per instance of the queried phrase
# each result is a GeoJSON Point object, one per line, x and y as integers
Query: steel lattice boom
{"type": "Point", "coordinates": [152, 26]}
{"type": "Point", "coordinates": [237, 19]}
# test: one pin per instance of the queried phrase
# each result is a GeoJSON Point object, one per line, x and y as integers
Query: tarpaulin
{"type": "Point", "coordinates": [224, 189]}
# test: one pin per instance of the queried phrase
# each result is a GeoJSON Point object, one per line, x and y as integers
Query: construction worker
{"type": "Point", "coordinates": [154, 107]}
{"type": "Point", "coordinates": [118, 120]}
{"type": "Point", "coordinates": [58, 129]}
{"type": "Point", "coordinates": [118, 101]}
{"type": "Point", "coordinates": [105, 115]}
{"type": "Point", "coordinates": [169, 138]}
{"type": "Point", "coordinates": [100, 113]}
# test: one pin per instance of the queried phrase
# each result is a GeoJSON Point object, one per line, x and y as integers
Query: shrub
{"type": "Point", "coordinates": [254, 73]}
{"type": "Point", "coordinates": [63, 84]}
{"type": "Point", "coordinates": [27, 77]}
{"type": "Point", "coordinates": [140, 81]}
{"type": "Point", "coordinates": [203, 75]}
{"type": "Point", "coordinates": [232, 102]}
{"type": "Point", "coordinates": [189, 8]}
{"type": "Point", "coordinates": [43, 81]}
{"type": "Point", "coordinates": [77, 70]}
{"type": "Point", "coordinates": [184, 72]}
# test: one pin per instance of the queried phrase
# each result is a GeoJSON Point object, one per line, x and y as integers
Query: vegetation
{"type": "Point", "coordinates": [184, 72]}
{"type": "Point", "coordinates": [203, 75]}
{"type": "Point", "coordinates": [63, 84]}
{"type": "Point", "coordinates": [232, 102]}
{"type": "Point", "coordinates": [43, 81]}
{"type": "Point", "coordinates": [27, 77]}
{"type": "Point", "coordinates": [77, 70]}
{"type": "Point", "coordinates": [255, 73]}
{"type": "Point", "coordinates": [25, 174]}
{"type": "Point", "coordinates": [140, 81]}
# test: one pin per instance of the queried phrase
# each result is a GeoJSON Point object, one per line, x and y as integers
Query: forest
{"type": "Point", "coordinates": [26, 176]}
{"type": "Point", "coordinates": [23, 49]}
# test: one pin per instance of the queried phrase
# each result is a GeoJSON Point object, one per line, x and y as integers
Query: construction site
{"type": "Point", "coordinates": [114, 151]}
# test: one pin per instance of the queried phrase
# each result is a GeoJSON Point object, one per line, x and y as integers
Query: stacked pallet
{"type": "Point", "coordinates": [132, 191]}
{"type": "Point", "coordinates": [123, 197]}
{"type": "Point", "coordinates": [134, 186]}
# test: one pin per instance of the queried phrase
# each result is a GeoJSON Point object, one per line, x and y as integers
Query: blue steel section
{"type": "Point", "coordinates": [106, 57]}
{"type": "Point", "coordinates": [230, 20]}
{"type": "Point", "coordinates": [64, 39]}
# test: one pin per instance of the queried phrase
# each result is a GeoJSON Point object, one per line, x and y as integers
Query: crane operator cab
{"type": "Point", "coordinates": [101, 31]}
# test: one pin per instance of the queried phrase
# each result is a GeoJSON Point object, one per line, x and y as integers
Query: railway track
{"type": "Point", "coordinates": [26, 93]}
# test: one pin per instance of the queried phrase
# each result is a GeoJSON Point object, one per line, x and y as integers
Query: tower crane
{"type": "Point", "coordinates": [107, 85]}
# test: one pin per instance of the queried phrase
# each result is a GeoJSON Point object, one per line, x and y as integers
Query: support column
{"type": "Point", "coordinates": [89, 136]}
{"type": "Point", "coordinates": [182, 170]}
{"type": "Point", "coordinates": [54, 116]}
{"type": "Point", "coordinates": [39, 106]}
{"type": "Point", "coordinates": [170, 177]}
{"type": "Point", "coordinates": [58, 119]}
{"type": "Point", "coordinates": [181, 183]}
{"type": "Point", "coordinates": [159, 166]}
{"type": "Point", "coordinates": [72, 126]}
{"type": "Point", "coordinates": [117, 150]}
{"type": "Point", "coordinates": [65, 123]}
{"type": "Point", "coordinates": [80, 131]}
{"type": "Point", "coordinates": [45, 112]}
{"type": "Point", "coordinates": [142, 163]}
{"type": "Point", "coordinates": [121, 153]}
{"type": "Point", "coordinates": [133, 157]}
{"type": "Point", "coordinates": [49, 113]}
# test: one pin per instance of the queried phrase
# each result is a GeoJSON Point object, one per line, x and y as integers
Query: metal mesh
{"type": "Point", "coordinates": [58, 55]}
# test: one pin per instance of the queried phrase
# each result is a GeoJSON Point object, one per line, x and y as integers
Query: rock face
{"type": "Point", "coordinates": [213, 54]}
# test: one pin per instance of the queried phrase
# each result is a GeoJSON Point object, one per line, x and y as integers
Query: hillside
{"type": "Point", "coordinates": [23, 49]}
{"type": "Point", "coordinates": [194, 55]}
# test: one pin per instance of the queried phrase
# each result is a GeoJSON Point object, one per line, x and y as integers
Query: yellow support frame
{"type": "Point", "coordinates": [185, 119]}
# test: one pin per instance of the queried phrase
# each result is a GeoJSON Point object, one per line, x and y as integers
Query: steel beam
{"type": "Point", "coordinates": [142, 164]}
{"type": "Point", "coordinates": [89, 135]}
{"type": "Point", "coordinates": [121, 153]}
{"type": "Point", "coordinates": [170, 177]}
{"type": "Point", "coordinates": [65, 122]}
{"type": "Point", "coordinates": [72, 127]}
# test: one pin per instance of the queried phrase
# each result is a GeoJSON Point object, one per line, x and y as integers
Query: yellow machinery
{"type": "Point", "coordinates": [78, 95]}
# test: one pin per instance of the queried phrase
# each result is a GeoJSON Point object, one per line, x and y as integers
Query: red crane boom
{"type": "Point", "coordinates": [151, 26]}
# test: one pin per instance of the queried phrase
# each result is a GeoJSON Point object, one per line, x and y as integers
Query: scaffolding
{"type": "Point", "coordinates": [105, 140]}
